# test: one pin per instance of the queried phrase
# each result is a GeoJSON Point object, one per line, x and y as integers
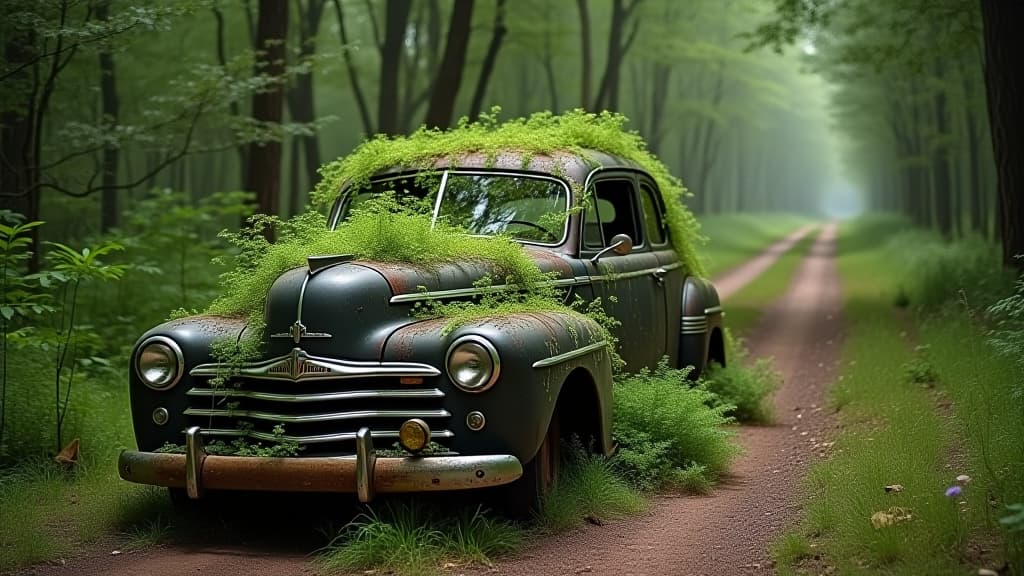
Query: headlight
{"type": "Point", "coordinates": [159, 363]}
{"type": "Point", "coordinates": [473, 363]}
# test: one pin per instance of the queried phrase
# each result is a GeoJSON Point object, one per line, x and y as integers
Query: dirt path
{"type": "Point", "coordinates": [734, 279]}
{"type": "Point", "coordinates": [724, 533]}
{"type": "Point", "coordinates": [728, 531]}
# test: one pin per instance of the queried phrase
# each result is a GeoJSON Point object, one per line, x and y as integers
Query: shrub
{"type": "Point", "coordinates": [743, 385]}
{"type": "Point", "coordinates": [940, 273]}
{"type": "Point", "coordinates": [669, 433]}
{"type": "Point", "coordinates": [1008, 335]}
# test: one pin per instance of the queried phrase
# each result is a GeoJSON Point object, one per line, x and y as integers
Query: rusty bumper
{"type": "Point", "coordinates": [363, 474]}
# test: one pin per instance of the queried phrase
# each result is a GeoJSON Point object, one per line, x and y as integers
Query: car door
{"type": "Point", "coordinates": [628, 285]}
{"type": "Point", "coordinates": [671, 274]}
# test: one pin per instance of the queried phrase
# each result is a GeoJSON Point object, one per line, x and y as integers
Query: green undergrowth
{"type": "Point", "coordinates": [48, 513]}
{"type": "Point", "coordinates": [744, 384]}
{"type": "Point", "coordinates": [745, 308]}
{"type": "Point", "coordinates": [575, 132]}
{"type": "Point", "coordinates": [735, 238]}
{"type": "Point", "coordinates": [671, 435]}
{"type": "Point", "coordinates": [921, 400]}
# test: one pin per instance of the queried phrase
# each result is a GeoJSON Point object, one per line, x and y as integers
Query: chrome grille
{"type": "Point", "coordinates": [321, 415]}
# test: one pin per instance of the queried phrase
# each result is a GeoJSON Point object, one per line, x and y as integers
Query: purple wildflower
{"type": "Point", "coordinates": [953, 491]}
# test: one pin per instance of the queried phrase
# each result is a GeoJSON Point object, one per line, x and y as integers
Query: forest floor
{"type": "Point", "coordinates": [725, 532]}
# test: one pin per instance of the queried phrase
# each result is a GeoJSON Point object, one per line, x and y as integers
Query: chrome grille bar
{"type": "Point", "coordinates": [318, 439]}
{"type": "Point", "coordinates": [328, 417]}
{"type": "Point", "coordinates": [318, 397]}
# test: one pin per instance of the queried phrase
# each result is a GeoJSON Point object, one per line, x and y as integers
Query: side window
{"type": "Point", "coordinates": [652, 214]}
{"type": "Point", "coordinates": [611, 211]}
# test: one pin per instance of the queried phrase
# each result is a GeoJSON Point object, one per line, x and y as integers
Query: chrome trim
{"type": "Point", "coordinates": [468, 292]}
{"type": "Point", "coordinates": [305, 418]}
{"type": "Point", "coordinates": [316, 439]}
{"type": "Point", "coordinates": [694, 325]}
{"type": "Point", "coordinates": [437, 201]}
{"type": "Point", "coordinates": [297, 331]}
{"type": "Point", "coordinates": [566, 356]}
{"type": "Point", "coordinates": [179, 371]}
{"type": "Point", "coordinates": [713, 310]}
{"type": "Point", "coordinates": [318, 397]}
{"type": "Point", "coordinates": [195, 455]}
{"type": "Point", "coordinates": [491, 351]}
{"type": "Point", "coordinates": [366, 458]}
{"type": "Point", "coordinates": [300, 366]}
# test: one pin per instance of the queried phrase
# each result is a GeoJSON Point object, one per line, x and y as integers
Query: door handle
{"type": "Point", "coordinates": [659, 275]}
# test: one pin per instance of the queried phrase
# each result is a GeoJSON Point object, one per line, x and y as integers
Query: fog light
{"type": "Point", "coordinates": [475, 421]}
{"type": "Point", "coordinates": [160, 416]}
{"type": "Point", "coordinates": [414, 435]}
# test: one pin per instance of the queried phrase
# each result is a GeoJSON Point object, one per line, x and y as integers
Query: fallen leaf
{"type": "Point", "coordinates": [987, 572]}
{"type": "Point", "coordinates": [963, 479]}
{"type": "Point", "coordinates": [115, 553]}
{"type": "Point", "coordinates": [69, 455]}
{"type": "Point", "coordinates": [894, 488]}
{"type": "Point", "coordinates": [889, 517]}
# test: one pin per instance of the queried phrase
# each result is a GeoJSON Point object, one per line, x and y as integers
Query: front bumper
{"type": "Point", "coordinates": [363, 474]}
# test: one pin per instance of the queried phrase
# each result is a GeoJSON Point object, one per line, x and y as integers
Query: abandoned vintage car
{"type": "Point", "coordinates": [380, 400]}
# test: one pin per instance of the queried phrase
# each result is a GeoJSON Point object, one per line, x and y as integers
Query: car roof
{"type": "Point", "coordinates": [572, 165]}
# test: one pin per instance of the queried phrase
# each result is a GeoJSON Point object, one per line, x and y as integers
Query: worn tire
{"type": "Point", "coordinates": [525, 496]}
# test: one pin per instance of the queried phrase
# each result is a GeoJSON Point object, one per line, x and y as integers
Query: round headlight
{"type": "Point", "coordinates": [159, 363]}
{"type": "Point", "coordinates": [472, 363]}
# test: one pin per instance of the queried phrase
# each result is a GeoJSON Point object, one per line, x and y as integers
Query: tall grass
{"type": "Point", "coordinates": [592, 488]}
{"type": "Point", "coordinates": [744, 384]}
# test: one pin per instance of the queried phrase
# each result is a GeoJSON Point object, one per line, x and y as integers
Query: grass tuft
{"type": "Point", "coordinates": [414, 539]}
{"type": "Point", "coordinates": [592, 489]}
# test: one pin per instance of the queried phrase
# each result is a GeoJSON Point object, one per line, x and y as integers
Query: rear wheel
{"type": "Point", "coordinates": [526, 495]}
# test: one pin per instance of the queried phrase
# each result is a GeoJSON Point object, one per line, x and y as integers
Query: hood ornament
{"type": "Point", "coordinates": [298, 331]}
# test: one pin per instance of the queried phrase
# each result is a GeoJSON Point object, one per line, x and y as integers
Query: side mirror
{"type": "Point", "coordinates": [621, 244]}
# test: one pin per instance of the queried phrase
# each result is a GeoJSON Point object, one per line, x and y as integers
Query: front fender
{"type": "Point", "coordinates": [537, 351]}
{"type": "Point", "coordinates": [193, 335]}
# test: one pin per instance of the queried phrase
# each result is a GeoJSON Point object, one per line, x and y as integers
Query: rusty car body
{"type": "Point", "coordinates": [347, 365]}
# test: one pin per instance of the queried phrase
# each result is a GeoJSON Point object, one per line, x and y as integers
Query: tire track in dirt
{"type": "Point", "coordinates": [725, 532]}
{"type": "Point", "coordinates": [734, 279]}
{"type": "Point", "coordinates": [728, 531]}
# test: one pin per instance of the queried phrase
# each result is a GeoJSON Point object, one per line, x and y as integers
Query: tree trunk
{"type": "Point", "coordinates": [940, 159]}
{"type": "Point", "coordinates": [300, 98]}
{"type": "Point", "coordinates": [449, 76]}
{"type": "Point", "coordinates": [110, 109]}
{"type": "Point", "coordinates": [584, 11]}
{"type": "Point", "coordinates": [353, 75]}
{"type": "Point", "coordinates": [397, 17]}
{"type": "Point", "coordinates": [1004, 91]}
{"type": "Point", "coordinates": [222, 59]}
{"type": "Point", "coordinates": [608, 91]}
{"type": "Point", "coordinates": [264, 177]}
{"type": "Point", "coordinates": [489, 59]}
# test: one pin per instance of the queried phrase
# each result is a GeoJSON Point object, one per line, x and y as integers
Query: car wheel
{"type": "Point", "coordinates": [525, 496]}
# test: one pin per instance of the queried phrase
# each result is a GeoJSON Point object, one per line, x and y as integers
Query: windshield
{"type": "Point", "coordinates": [523, 207]}
{"type": "Point", "coordinates": [527, 208]}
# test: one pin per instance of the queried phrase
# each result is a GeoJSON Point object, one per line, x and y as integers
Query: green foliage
{"type": "Point", "coordinates": [669, 433]}
{"type": "Point", "coordinates": [920, 371]}
{"type": "Point", "coordinates": [941, 274]}
{"type": "Point", "coordinates": [574, 132]}
{"type": "Point", "coordinates": [590, 488]}
{"type": "Point", "coordinates": [744, 386]}
{"type": "Point", "coordinates": [409, 538]}
{"type": "Point", "coordinates": [1008, 335]}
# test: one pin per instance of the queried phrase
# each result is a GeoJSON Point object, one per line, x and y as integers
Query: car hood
{"type": "Point", "coordinates": [348, 309]}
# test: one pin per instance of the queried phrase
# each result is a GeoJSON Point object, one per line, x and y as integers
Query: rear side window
{"type": "Point", "coordinates": [653, 219]}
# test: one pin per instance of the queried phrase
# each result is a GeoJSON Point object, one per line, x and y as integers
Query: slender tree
{"type": "Point", "coordinates": [487, 69]}
{"type": "Point", "coordinates": [449, 76]}
{"type": "Point", "coordinates": [264, 175]}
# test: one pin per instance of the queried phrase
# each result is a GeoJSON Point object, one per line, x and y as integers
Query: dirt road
{"type": "Point", "coordinates": [726, 532]}
{"type": "Point", "coordinates": [734, 279]}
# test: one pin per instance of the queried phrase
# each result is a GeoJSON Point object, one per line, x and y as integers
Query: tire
{"type": "Point", "coordinates": [525, 497]}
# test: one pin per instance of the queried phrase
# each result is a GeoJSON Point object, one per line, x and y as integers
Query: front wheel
{"type": "Point", "coordinates": [526, 495]}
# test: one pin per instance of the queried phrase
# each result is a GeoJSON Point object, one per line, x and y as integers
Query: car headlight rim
{"type": "Point", "coordinates": [475, 346]}
{"type": "Point", "coordinates": [175, 363]}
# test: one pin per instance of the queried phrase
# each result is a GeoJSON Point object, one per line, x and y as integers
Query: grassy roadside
{"type": "Point", "coordinates": [735, 238]}
{"type": "Point", "coordinates": [746, 307]}
{"type": "Point", "coordinates": [918, 407]}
